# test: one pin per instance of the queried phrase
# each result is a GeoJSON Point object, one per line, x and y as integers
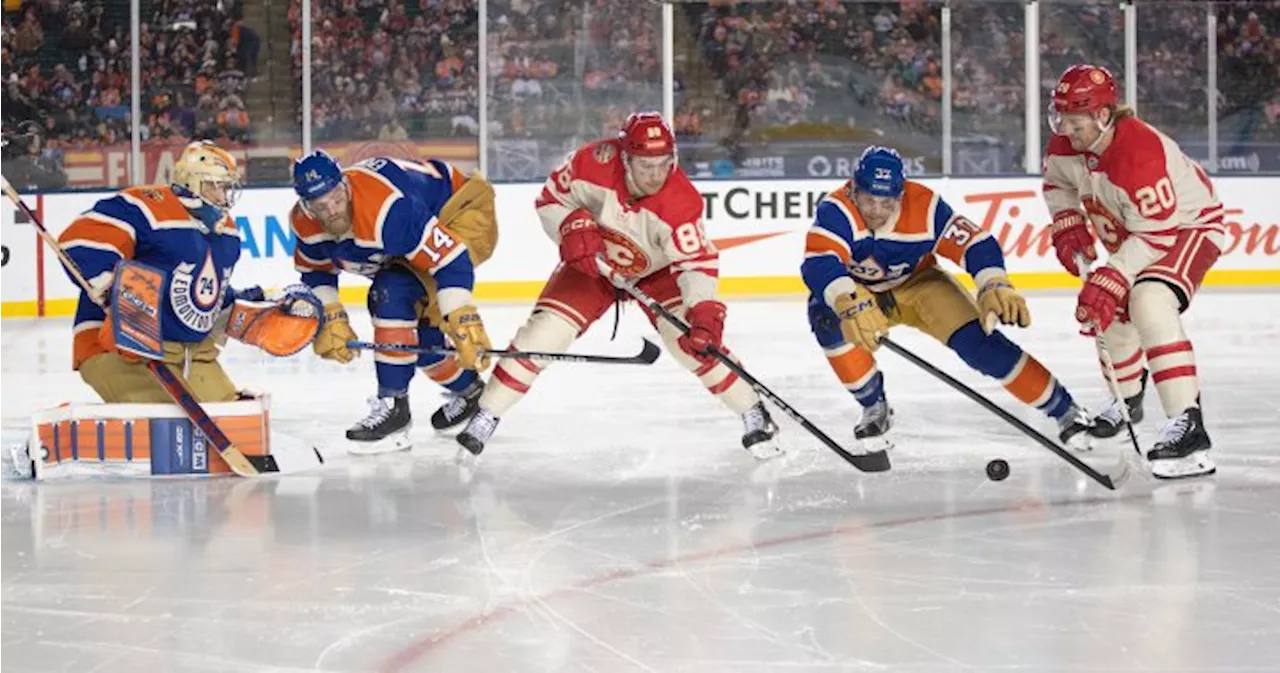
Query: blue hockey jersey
{"type": "Point", "coordinates": [394, 207]}
{"type": "Point", "coordinates": [150, 225]}
{"type": "Point", "coordinates": [840, 246]}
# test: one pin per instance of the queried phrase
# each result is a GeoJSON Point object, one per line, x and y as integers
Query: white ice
{"type": "Point", "coordinates": [615, 524]}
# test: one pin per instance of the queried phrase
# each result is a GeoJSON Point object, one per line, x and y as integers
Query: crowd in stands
{"type": "Point", "coordinates": [67, 68]}
{"type": "Point", "coordinates": [391, 69]}
{"type": "Point", "coordinates": [409, 69]}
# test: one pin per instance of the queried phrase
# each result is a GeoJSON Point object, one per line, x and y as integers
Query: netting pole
{"type": "Point", "coordinates": [1031, 66]}
{"type": "Point", "coordinates": [306, 77]}
{"type": "Point", "coordinates": [668, 63]}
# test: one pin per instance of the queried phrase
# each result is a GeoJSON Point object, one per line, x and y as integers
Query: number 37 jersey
{"type": "Point", "coordinates": [1139, 193]}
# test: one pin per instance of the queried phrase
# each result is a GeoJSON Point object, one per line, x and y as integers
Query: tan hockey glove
{"type": "Point", "coordinates": [861, 321]}
{"type": "Point", "coordinates": [998, 297]}
{"type": "Point", "coordinates": [466, 330]}
{"type": "Point", "coordinates": [331, 342]}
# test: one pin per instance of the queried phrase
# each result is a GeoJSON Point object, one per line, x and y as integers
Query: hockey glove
{"type": "Point", "coordinates": [466, 330]}
{"type": "Point", "coordinates": [335, 332]}
{"type": "Point", "coordinates": [280, 328]}
{"type": "Point", "coordinates": [861, 321]}
{"type": "Point", "coordinates": [1071, 237]}
{"type": "Point", "coordinates": [706, 329]}
{"type": "Point", "coordinates": [581, 243]}
{"type": "Point", "coordinates": [1104, 294]}
{"type": "Point", "coordinates": [998, 297]}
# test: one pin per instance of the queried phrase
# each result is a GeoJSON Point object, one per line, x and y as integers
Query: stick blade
{"type": "Point", "coordinates": [649, 352]}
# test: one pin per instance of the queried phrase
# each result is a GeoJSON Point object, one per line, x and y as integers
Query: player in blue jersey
{"type": "Point", "coordinates": [417, 231]}
{"type": "Point", "coordinates": [183, 229]}
{"type": "Point", "coordinates": [871, 262]}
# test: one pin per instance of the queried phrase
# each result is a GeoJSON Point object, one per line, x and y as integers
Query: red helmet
{"type": "Point", "coordinates": [646, 134]}
{"type": "Point", "coordinates": [1084, 88]}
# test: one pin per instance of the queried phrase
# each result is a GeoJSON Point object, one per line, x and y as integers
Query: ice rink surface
{"type": "Point", "coordinates": [615, 524]}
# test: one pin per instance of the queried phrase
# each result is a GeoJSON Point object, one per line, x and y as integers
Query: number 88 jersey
{"type": "Point", "coordinates": [1139, 193]}
{"type": "Point", "coordinates": [642, 235]}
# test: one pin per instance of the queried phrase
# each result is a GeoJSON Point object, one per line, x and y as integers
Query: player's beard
{"type": "Point", "coordinates": [338, 225]}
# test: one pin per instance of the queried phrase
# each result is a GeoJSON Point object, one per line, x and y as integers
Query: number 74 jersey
{"type": "Point", "coordinates": [1139, 194]}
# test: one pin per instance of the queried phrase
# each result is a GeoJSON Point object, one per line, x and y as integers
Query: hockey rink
{"type": "Point", "coordinates": [615, 524]}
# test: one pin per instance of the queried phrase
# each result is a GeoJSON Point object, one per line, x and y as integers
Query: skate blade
{"type": "Point", "coordinates": [766, 450]}
{"type": "Point", "coordinates": [391, 444]}
{"type": "Point", "coordinates": [1198, 464]}
{"type": "Point", "coordinates": [871, 445]}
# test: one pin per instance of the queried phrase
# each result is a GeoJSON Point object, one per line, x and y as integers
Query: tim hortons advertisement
{"type": "Point", "coordinates": [759, 227]}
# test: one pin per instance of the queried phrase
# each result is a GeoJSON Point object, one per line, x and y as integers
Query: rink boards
{"type": "Point", "coordinates": [758, 225]}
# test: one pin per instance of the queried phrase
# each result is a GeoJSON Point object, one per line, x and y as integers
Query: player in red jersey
{"type": "Point", "coordinates": [626, 200]}
{"type": "Point", "coordinates": [1109, 175]}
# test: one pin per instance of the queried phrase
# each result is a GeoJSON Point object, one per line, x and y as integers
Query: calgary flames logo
{"type": "Point", "coordinates": [1097, 76]}
{"type": "Point", "coordinates": [623, 254]}
{"type": "Point", "coordinates": [604, 153]}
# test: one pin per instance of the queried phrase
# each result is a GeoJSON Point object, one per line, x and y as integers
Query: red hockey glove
{"type": "Point", "coordinates": [580, 242]}
{"type": "Point", "coordinates": [1105, 293]}
{"type": "Point", "coordinates": [1071, 236]}
{"type": "Point", "coordinates": [706, 328]}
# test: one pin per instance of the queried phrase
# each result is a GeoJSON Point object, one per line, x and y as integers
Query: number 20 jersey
{"type": "Point", "coordinates": [1138, 194]}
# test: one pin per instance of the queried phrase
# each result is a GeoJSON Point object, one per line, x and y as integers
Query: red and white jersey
{"type": "Point", "coordinates": [642, 235]}
{"type": "Point", "coordinates": [1138, 193]}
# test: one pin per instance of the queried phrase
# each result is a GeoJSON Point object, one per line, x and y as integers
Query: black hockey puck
{"type": "Point", "coordinates": [997, 470]}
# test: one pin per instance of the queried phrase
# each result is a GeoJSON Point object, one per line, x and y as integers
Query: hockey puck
{"type": "Point", "coordinates": [997, 470]}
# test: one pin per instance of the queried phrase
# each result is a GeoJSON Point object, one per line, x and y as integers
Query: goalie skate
{"type": "Point", "coordinates": [384, 430]}
{"type": "Point", "coordinates": [1183, 448]}
{"type": "Point", "coordinates": [759, 433]}
{"type": "Point", "coordinates": [872, 432]}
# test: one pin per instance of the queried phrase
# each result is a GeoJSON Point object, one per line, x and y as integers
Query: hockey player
{"type": "Point", "coordinates": [183, 229]}
{"type": "Point", "coordinates": [627, 200]}
{"type": "Point", "coordinates": [417, 230]}
{"type": "Point", "coordinates": [870, 263]}
{"type": "Point", "coordinates": [1161, 222]}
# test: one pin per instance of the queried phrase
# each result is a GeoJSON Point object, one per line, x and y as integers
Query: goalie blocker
{"type": "Point", "coordinates": [157, 439]}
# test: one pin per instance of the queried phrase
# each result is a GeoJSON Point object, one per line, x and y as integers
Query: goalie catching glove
{"type": "Point", "coordinates": [466, 330]}
{"type": "Point", "coordinates": [281, 327]}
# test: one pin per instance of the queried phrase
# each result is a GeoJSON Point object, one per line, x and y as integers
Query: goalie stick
{"type": "Point", "coordinates": [648, 354]}
{"type": "Point", "coordinates": [146, 345]}
{"type": "Point", "coordinates": [868, 462]}
{"type": "Point", "coordinates": [1109, 481]}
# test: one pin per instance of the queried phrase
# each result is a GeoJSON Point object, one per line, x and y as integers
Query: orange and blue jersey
{"type": "Point", "coordinates": [840, 245]}
{"type": "Point", "coordinates": [394, 207]}
{"type": "Point", "coordinates": [150, 225]}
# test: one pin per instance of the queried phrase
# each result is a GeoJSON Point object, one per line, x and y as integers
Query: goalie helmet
{"type": "Point", "coordinates": [880, 172]}
{"type": "Point", "coordinates": [206, 180]}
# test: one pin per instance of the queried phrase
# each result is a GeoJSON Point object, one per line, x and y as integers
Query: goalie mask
{"type": "Point", "coordinates": [206, 180]}
{"type": "Point", "coordinates": [648, 152]}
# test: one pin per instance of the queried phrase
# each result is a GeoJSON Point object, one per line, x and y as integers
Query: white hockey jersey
{"type": "Point", "coordinates": [642, 235]}
{"type": "Point", "coordinates": [1138, 193]}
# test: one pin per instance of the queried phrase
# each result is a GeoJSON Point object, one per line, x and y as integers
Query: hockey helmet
{"type": "Point", "coordinates": [315, 175]}
{"type": "Point", "coordinates": [880, 172]}
{"type": "Point", "coordinates": [200, 165]}
{"type": "Point", "coordinates": [646, 134]}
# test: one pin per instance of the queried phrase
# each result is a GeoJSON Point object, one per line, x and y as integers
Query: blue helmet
{"type": "Point", "coordinates": [879, 172]}
{"type": "Point", "coordinates": [316, 175]}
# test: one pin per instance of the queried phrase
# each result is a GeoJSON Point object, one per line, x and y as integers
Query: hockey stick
{"type": "Point", "coordinates": [648, 354]}
{"type": "Point", "coordinates": [869, 462]}
{"type": "Point", "coordinates": [1108, 481]}
{"type": "Point", "coordinates": [246, 466]}
{"type": "Point", "coordinates": [1109, 370]}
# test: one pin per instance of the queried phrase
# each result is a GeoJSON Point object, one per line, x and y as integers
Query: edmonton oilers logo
{"type": "Point", "coordinates": [195, 299]}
